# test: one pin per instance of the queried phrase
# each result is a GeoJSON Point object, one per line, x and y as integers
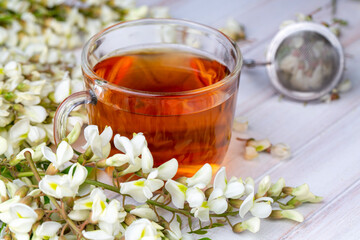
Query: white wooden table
{"type": "Point", "coordinates": [325, 138]}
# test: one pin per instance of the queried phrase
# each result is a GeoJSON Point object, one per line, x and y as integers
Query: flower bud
{"type": "Point", "coordinates": [35, 226]}
{"type": "Point", "coordinates": [28, 200]}
{"type": "Point", "coordinates": [252, 225]}
{"type": "Point", "coordinates": [69, 201]}
{"type": "Point", "coordinates": [259, 145]}
{"type": "Point", "coordinates": [129, 207]}
{"type": "Point", "coordinates": [281, 151]}
{"type": "Point", "coordinates": [51, 170]}
{"type": "Point", "coordinates": [276, 189]}
{"type": "Point", "coordinates": [264, 186]}
{"type": "Point", "coordinates": [40, 212]}
{"type": "Point", "coordinates": [74, 134]}
{"type": "Point", "coordinates": [101, 163]}
{"type": "Point", "coordinates": [62, 238]}
{"type": "Point", "coordinates": [236, 203]}
{"type": "Point", "coordinates": [22, 191]}
{"type": "Point", "coordinates": [237, 228]}
{"type": "Point", "coordinates": [90, 227]}
{"type": "Point", "coordinates": [240, 124]}
{"type": "Point", "coordinates": [209, 191]}
{"type": "Point", "coordinates": [7, 237]}
{"type": "Point", "coordinates": [287, 190]}
{"type": "Point", "coordinates": [250, 153]}
{"type": "Point", "coordinates": [129, 219]}
{"type": "Point", "coordinates": [288, 214]}
{"type": "Point", "coordinates": [182, 180]}
{"type": "Point", "coordinates": [122, 167]}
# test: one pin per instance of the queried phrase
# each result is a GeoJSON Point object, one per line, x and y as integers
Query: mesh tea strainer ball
{"type": "Point", "coordinates": [305, 61]}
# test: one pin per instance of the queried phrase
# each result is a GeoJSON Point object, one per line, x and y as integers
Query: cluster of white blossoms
{"type": "Point", "coordinates": [55, 195]}
{"type": "Point", "coordinates": [37, 70]}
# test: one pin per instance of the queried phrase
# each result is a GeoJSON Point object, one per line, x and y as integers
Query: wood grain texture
{"type": "Point", "coordinates": [324, 137]}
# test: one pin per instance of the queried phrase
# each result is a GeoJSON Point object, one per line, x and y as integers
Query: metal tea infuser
{"type": "Point", "coordinates": [304, 61]}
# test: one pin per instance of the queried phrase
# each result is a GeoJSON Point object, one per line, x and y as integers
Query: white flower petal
{"type": "Point", "coordinates": [141, 229]}
{"type": "Point", "coordinates": [220, 179]}
{"type": "Point", "coordinates": [64, 153]}
{"type": "Point", "coordinates": [36, 114]}
{"type": "Point", "coordinates": [177, 192]}
{"type": "Point", "coordinates": [154, 184]}
{"type": "Point", "coordinates": [246, 205]}
{"type": "Point", "coordinates": [252, 225]}
{"type": "Point", "coordinates": [48, 154]}
{"type": "Point", "coordinates": [3, 145]}
{"type": "Point", "coordinates": [235, 189]}
{"type": "Point", "coordinates": [79, 215]}
{"type": "Point", "coordinates": [124, 145]}
{"type": "Point", "coordinates": [117, 160]}
{"type": "Point", "coordinates": [138, 142]}
{"type": "Point", "coordinates": [144, 212]}
{"type": "Point", "coordinates": [201, 177]}
{"type": "Point", "coordinates": [168, 169]}
{"type": "Point", "coordinates": [218, 205]}
{"type": "Point", "coordinates": [106, 135]}
{"type": "Point", "coordinates": [261, 210]}
{"type": "Point", "coordinates": [78, 177]}
{"type": "Point", "coordinates": [264, 186]}
{"type": "Point", "coordinates": [195, 197]}
{"type": "Point", "coordinates": [48, 229]}
{"type": "Point", "coordinates": [97, 235]}
{"type": "Point", "coordinates": [134, 189]}
{"type": "Point", "coordinates": [147, 160]}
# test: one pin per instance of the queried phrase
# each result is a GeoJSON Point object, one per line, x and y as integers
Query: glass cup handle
{"type": "Point", "coordinates": [65, 108]}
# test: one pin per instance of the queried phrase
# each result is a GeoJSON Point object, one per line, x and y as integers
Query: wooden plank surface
{"type": "Point", "coordinates": [324, 137]}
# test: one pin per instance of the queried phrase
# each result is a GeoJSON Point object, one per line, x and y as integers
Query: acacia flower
{"type": "Point", "coordinates": [201, 178]}
{"type": "Point", "coordinates": [281, 151]}
{"type": "Point", "coordinates": [223, 189]}
{"type": "Point", "coordinates": [166, 170]}
{"type": "Point", "coordinates": [174, 232]}
{"type": "Point", "coordinates": [66, 185]}
{"type": "Point", "coordinates": [98, 142]}
{"type": "Point", "coordinates": [64, 153]}
{"type": "Point", "coordinates": [201, 211]}
{"type": "Point", "coordinates": [132, 148]}
{"type": "Point", "coordinates": [47, 230]}
{"type": "Point", "coordinates": [250, 153]}
{"type": "Point", "coordinates": [20, 219]}
{"type": "Point", "coordinates": [260, 207]}
{"type": "Point", "coordinates": [264, 186]}
{"type": "Point", "coordinates": [259, 145]}
{"type": "Point", "coordinates": [252, 225]}
{"type": "Point", "coordinates": [276, 188]}
{"type": "Point", "coordinates": [142, 229]}
{"type": "Point", "coordinates": [144, 211]}
{"type": "Point", "coordinates": [303, 194]}
{"type": "Point", "coordinates": [177, 192]}
{"type": "Point", "coordinates": [141, 189]}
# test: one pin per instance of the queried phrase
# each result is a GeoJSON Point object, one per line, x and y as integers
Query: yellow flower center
{"type": "Point", "coordinates": [53, 186]}
{"type": "Point", "coordinates": [139, 183]}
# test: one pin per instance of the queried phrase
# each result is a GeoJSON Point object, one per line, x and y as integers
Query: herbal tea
{"type": "Point", "coordinates": [192, 128]}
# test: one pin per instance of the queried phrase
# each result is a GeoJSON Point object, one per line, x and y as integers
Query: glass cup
{"type": "Point", "coordinates": [192, 126]}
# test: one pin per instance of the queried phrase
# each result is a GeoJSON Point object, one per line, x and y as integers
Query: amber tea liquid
{"type": "Point", "coordinates": [194, 130]}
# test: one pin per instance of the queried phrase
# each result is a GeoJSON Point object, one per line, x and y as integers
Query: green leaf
{"type": "Point", "coordinates": [190, 222]}
{"type": "Point", "coordinates": [46, 200]}
{"type": "Point", "coordinates": [178, 219]}
{"type": "Point", "coordinates": [199, 232]}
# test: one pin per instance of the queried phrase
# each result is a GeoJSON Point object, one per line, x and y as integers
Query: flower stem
{"type": "Point", "coordinates": [170, 209]}
{"type": "Point", "coordinates": [52, 199]}
{"type": "Point", "coordinates": [103, 185]}
{"type": "Point", "coordinates": [27, 174]}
